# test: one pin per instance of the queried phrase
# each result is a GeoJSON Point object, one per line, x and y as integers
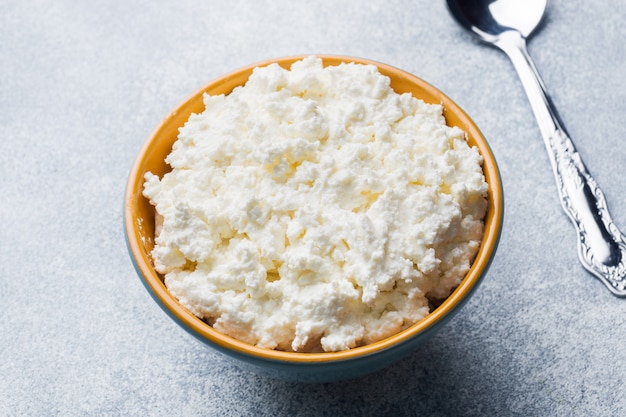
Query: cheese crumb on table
{"type": "Point", "coordinates": [315, 209]}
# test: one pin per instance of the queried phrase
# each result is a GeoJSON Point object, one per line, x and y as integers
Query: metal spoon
{"type": "Point", "coordinates": [506, 24]}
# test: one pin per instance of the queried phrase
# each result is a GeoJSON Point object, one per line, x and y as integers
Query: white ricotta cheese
{"type": "Point", "coordinates": [316, 209]}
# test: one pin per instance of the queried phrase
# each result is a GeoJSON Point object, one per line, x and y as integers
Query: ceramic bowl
{"type": "Point", "coordinates": [314, 367]}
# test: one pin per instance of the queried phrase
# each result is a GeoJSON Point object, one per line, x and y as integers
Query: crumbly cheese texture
{"type": "Point", "coordinates": [315, 209]}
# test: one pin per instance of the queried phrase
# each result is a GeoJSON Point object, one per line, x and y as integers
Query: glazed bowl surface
{"type": "Point", "coordinates": [139, 220]}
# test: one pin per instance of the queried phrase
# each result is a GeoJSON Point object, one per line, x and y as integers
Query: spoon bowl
{"type": "Point", "coordinates": [488, 19]}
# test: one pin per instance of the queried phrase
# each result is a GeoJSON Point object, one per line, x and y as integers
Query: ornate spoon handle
{"type": "Point", "coordinates": [601, 246]}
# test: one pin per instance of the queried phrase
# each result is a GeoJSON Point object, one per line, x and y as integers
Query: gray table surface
{"type": "Point", "coordinates": [82, 86]}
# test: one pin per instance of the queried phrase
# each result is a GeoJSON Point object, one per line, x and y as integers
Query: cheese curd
{"type": "Point", "coordinates": [315, 209]}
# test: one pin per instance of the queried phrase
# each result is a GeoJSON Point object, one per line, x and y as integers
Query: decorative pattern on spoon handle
{"type": "Point", "coordinates": [601, 246]}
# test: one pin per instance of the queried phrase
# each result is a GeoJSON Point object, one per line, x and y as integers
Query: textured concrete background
{"type": "Point", "coordinates": [84, 83]}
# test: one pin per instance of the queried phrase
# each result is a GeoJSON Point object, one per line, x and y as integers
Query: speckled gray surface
{"type": "Point", "coordinates": [84, 83]}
